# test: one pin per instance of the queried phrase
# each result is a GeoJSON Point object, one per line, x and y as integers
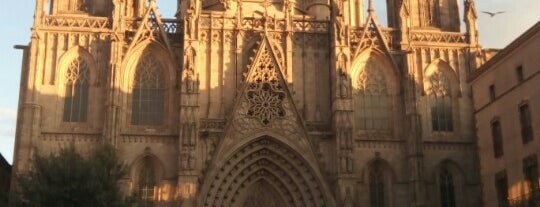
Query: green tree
{"type": "Point", "coordinates": [69, 179]}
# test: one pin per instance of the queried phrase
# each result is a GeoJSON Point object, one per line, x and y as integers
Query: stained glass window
{"type": "Point", "coordinates": [372, 99]}
{"type": "Point", "coordinates": [440, 103]}
{"type": "Point", "coordinates": [148, 93]}
{"type": "Point", "coordinates": [76, 94]}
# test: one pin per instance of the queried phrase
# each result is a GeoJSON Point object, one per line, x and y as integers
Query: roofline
{"type": "Point", "coordinates": [501, 55]}
{"type": "Point", "coordinates": [3, 161]}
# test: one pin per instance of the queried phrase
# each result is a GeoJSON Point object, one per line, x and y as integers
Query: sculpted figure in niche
{"type": "Point", "coordinates": [344, 84]}
{"type": "Point", "coordinates": [189, 70]}
{"type": "Point", "coordinates": [340, 30]}
{"type": "Point", "coordinates": [427, 12]}
{"type": "Point", "coordinates": [190, 22]}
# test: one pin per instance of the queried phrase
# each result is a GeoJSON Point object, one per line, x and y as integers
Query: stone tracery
{"type": "Point", "coordinates": [265, 93]}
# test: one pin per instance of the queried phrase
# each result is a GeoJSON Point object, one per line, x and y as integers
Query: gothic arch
{"type": "Point", "coordinates": [68, 57]}
{"type": "Point", "coordinates": [263, 160]}
{"type": "Point", "coordinates": [126, 79]}
{"type": "Point", "coordinates": [441, 66]}
{"type": "Point", "coordinates": [389, 70]}
{"type": "Point", "coordinates": [139, 162]}
{"type": "Point", "coordinates": [159, 51]}
{"type": "Point", "coordinates": [146, 175]}
{"type": "Point", "coordinates": [375, 95]}
{"type": "Point", "coordinates": [441, 86]}
{"type": "Point", "coordinates": [388, 179]}
{"type": "Point", "coordinates": [458, 177]}
{"type": "Point", "coordinates": [385, 166]}
{"type": "Point", "coordinates": [76, 78]}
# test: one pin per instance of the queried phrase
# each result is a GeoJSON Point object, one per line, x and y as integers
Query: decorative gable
{"type": "Point", "coordinates": [265, 107]}
{"type": "Point", "coordinates": [151, 28]}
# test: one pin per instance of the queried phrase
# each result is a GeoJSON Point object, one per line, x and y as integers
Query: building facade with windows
{"type": "Point", "coordinates": [261, 103]}
{"type": "Point", "coordinates": [507, 114]}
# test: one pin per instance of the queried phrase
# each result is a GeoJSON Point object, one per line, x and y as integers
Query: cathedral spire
{"type": "Point", "coordinates": [371, 8]}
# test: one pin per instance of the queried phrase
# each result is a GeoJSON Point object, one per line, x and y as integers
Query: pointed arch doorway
{"type": "Point", "coordinates": [264, 172]}
{"type": "Point", "coordinates": [263, 194]}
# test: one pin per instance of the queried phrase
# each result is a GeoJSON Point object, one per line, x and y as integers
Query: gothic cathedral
{"type": "Point", "coordinates": [266, 103]}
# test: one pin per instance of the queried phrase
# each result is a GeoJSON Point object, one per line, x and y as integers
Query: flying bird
{"type": "Point", "coordinates": [492, 14]}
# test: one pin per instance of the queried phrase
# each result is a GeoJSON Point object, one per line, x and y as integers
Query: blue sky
{"type": "Point", "coordinates": [16, 20]}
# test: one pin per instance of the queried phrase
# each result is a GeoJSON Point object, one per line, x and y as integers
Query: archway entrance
{"type": "Point", "coordinates": [264, 173]}
{"type": "Point", "coordinates": [263, 194]}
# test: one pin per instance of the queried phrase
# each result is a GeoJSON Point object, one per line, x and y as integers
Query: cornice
{"type": "Point", "coordinates": [518, 42]}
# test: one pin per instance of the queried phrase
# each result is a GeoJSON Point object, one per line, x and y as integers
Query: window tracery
{"type": "Point", "coordinates": [76, 91]}
{"type": "Point", "coordinates": [265, 93]}
{"type": "Point", "coordinates": [372, 99]}
{"type": "Point", "coordinates": [148, 94]}
{"type": "Point", "coordinates": [440, 102]}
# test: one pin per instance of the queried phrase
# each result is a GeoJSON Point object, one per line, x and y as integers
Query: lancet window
{"type": "Point", "coordinates": [440, 102]}
{"type": "Point", "coordinates": [76, 91]}
{"type": "Point", "coordinates": [148, 93]}
{"type": "Point", "coordinates": [447, 189]}
{"type": "Point", "coordinates": [372, 99]}
{"type": "Point", "coordinates": [377, 186]}
{"type": "Point", "coordinates": [147, 183]}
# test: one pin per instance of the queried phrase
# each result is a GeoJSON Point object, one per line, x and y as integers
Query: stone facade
{"type": "Point", "coordinates": [508, 137]}
{"type": "Point", "coordinates": [313, 103]}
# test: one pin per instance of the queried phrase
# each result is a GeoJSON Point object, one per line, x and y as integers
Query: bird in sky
{"type": "Point", "coordinates": [492, 14]}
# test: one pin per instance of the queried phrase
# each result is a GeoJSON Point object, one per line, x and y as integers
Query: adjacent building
{"type": "Point", "coordinates": [261, 102]}
{"type": "Point", "coordinates": [506, 97]}
{"type": "Point", "coordinates": [5, 180]}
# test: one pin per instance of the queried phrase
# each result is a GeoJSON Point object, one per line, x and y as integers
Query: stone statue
{"type": "Point", "coordinates": [190, 23]}
{"type": "Point", "coordinates": [189, 71]}
{"type": "Point", "coordinates": [343, 84]}
{"type": "Point", "coordinates": [340, 30]}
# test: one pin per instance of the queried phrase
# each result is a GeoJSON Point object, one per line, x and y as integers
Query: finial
{"type": "Point", "coordinates": [152, 2]}
{"type": "Point", "coordinates": [371, 7]}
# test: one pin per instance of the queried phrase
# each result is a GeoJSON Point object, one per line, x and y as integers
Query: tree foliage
{"type": "Point", "coordinates": [69, 179]}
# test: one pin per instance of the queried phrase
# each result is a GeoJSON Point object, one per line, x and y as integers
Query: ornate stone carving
{"type": "Point", "coordinates": [439, 84]}
{"type": "Point", "coordinates": [100, 23]}
{"type": "Point", "coordinates": [265, 160]}
{"type": "Point", "coordinates": [265, 93]}
{"type": "Point", "coordinates": [189, 77]}
{"type": "Point", "coordinates": [439, 37]}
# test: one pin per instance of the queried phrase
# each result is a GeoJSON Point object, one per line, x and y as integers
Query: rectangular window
{"type": "Point", "coordinates": [530, 172]}
{"type": "Point", "coordinates": [496, 135]}
{"type": "Point", "coordinates": [526, 125]}
{"type": "Point", "coordinates": [501, 184]}
{"type": "Point", "coordinates": [519, 74]}
{"type": "Point", "coordinates": [492, 94]}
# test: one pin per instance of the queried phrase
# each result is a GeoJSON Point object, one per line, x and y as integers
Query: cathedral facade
{"type": "Point", "coordinates": [261, 102]}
